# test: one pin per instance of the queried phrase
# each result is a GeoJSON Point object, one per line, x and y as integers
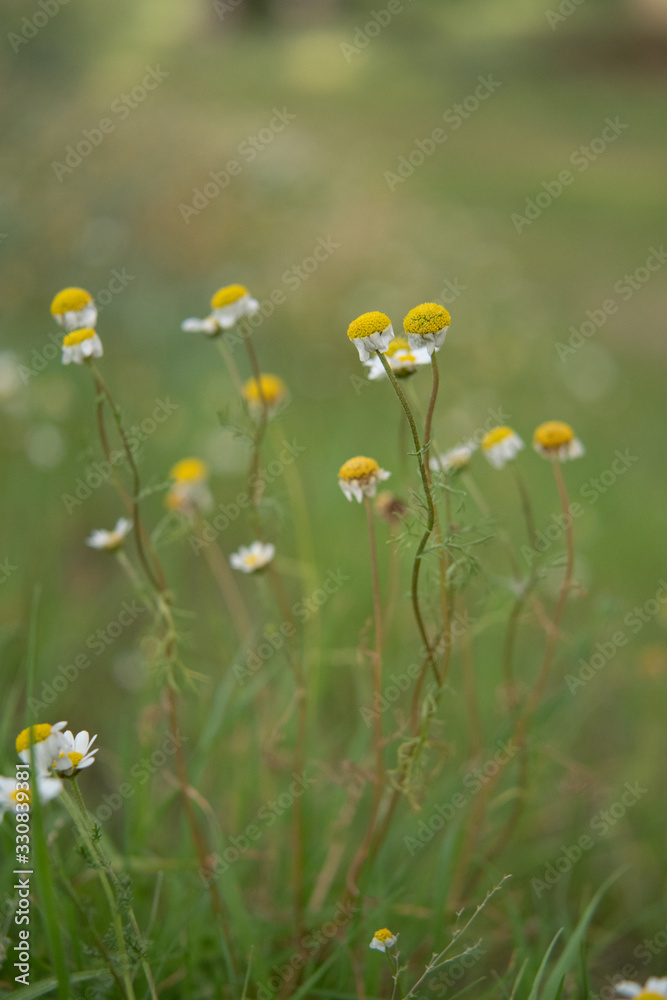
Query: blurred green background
{"type": "Point", "coordinates": [361, 100]}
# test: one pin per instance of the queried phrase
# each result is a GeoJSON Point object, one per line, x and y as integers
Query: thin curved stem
{"type": "Point", "coordinates": [430, 513]}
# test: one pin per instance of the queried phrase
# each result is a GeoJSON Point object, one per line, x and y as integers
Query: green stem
{"type": "Point", "coordinates": [430, 514]}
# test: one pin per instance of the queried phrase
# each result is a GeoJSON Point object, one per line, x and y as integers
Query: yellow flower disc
{"type": "Point", "coordinates": [78, 336]}
{"type": "Point", "coordinates": [426, 318]}
{"type": "Point", "coordinates": [273, 390]}
{"type": "Point", "coordinates": [227, 295]}
{"type": "Point", "coordinates": [358, 468]}
{"type": "Point", "coordinates": [70, 300]}
{"type": "Point", "coordinates": [40, 732]}
{"type": "Point", "coordinates": [189, 470]}
{"type": "Point", "coordinates": [367, 324]}
{"type": "Point", "coordinates": [553, 434]}
{"type": "Point", "coordinates": [495, 436]}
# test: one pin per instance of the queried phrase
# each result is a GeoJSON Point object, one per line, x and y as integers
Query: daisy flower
{"type": "Point", "coordinates": [11, 796]}
{"type": "Point", "coordinates": [556, 441]}
{"type": "Point", "coordinates": [228, 305]}
{"type": "Point", "coordinates": [371, 332]}
{"type": "Point", "coordinates": [252, 558]}
{"type": "Point", "coordinates": [654, 989]}
{"type": "Point", "coordinates": [501, 445]}
{"type": "Point", "coordinates": [426, 326]}
{"type": "Point", "coordinates": [273, 394]}
{"type": "Point", "coordinates": [110, 541]}
{"type": "Point", "coordinates": [359, 477]}
{"type": "Point", "coordinates": [403, 360]}
{"type": "Point", "coordinates": [79, 345]}
{"type": "Point", "coordinates": [74, 309]}
{"type": "Point", "coordinates": [383, 939]}
{"type": "Point", "coordinates": [74, 753]}
{"type": "Point", "coordinates": [189, 491]}
{"type": "Point", "coordinates": [454, 459]}
{"type": "Point", "coordinates": [44, 743]}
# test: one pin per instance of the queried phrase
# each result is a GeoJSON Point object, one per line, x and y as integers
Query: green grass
{"type": "Point", "coordinates": [323, 176]}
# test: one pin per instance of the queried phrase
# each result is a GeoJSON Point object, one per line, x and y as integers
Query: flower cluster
{"type": "Point", "coordinates": [55, 753]}
{"type": "Point", "coordinates": [74, 309]}
{"type": "Point", "coordinates": [229, 304]}
{"type": "Point", "coordinates": [425, 329]}
{"type": "Point", "coordinates": [553, 440]}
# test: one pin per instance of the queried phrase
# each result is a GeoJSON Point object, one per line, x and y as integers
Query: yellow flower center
{"type": "Point", "coordinates": [553, 434]}
{"type": "Point", "coordinates": [189, 470]}
{"type": "Point", "coordinates": [40, 732]}
{"type": "Point", "coordinates": [426, 318]}
{"type": "Point", "coordinates": [70, 300]}
{"type": "Point", "coordinates": [397, 344]}
{"type": "Point", "coordinates": [367, 324]}
{"type": "Point", "coordinates": [75, 758]}
{"type": "Point", "coordinates": [78, 336]}
{"type": "Point", "coordinates": [495, 436]}
{"type": "Point", "coordinates": [227, 295]}
{"type": "Point", "coordinates": [25, 795]}
{"type": "Point", "coordinates": [273, 389]}
{"type": "Point", "coordinates": [358, 468]}
{"type": "Point", "coordinates": [383, 935]}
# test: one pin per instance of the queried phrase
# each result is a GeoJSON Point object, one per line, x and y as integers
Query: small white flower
{"type": "Point", "coordinates": [359, 477]}
{"type": "Point", "coordinates": [250, 559]}
{"type": "Point", "coordinates": [44, 743]}
{"type": "Point", "coordinates": [556, 441]}
{"type": "Point", "coordinates": [189, 492]}
{"type": "Point", "coordinates": [11, 796]}
{"type": "Point", "coordinates": [371, 332]}
{"type": "Point", "coordinates": [209, 326]}
{"type": "Point", "coordinates": [74, 309]}
{"type": "Point", "coordinates": [426, 326]}
{"type": "Point", "coordinates": [232, 303]}
{"type": "Point", "coordinates": [74, 753]}
{"type": "Point", "coordinates": [403, 360]}
{"type": "Point", "coordinates": [501, 445]}
{"type": "Point", "coordinates": [80, 345]}
{"type": "Point", "coordinates": [383, 939]}
{"type": "Point", "coordinates": [654, 987]}
{"type": "Point", "coordinates": [110, 540]}
{"type": "Point", "coordinates": [454, 459]}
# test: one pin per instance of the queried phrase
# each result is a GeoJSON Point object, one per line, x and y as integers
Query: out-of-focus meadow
{"type": "Point", "coordinates": [329, 125]}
